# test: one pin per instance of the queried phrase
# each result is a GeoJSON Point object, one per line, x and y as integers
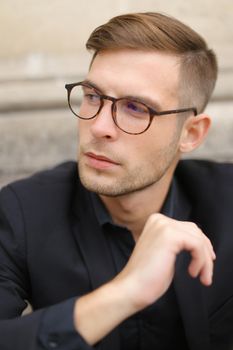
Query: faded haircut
{"type": "Point", "coordinates": [158, 32]}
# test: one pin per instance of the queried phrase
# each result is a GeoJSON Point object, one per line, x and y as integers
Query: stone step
{"type": "Point", "coordinates": [49, 93]}
{"type": "Point", "coordinates": [34, 140]}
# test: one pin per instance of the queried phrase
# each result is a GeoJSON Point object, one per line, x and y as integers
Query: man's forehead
{"type": "Point", "coordinates": [134, 71]}
{"type": "Point", "coordinates": [149, 56]}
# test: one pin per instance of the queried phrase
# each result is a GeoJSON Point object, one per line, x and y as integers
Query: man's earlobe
{"type": "Point", "coordinates": [194, 132]}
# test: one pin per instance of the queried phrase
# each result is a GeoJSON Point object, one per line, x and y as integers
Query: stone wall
{"type": "Point", "coordinates": [42, 48]}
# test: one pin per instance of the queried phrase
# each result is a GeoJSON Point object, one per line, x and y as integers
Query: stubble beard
{"type": "Point", "coordinates": [136, 179]}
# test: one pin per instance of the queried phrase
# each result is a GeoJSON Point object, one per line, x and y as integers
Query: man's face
{"type": "Point", "coordinates": [112, 162]}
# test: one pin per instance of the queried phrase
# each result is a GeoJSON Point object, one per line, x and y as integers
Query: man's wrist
{"type": "Point", "coordinates": [99, 312]}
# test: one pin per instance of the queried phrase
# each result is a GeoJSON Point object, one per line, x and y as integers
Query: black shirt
{"type": "Point", "coordinates": [158, 326]}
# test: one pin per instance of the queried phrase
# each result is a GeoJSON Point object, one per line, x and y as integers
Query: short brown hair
{"type": "Point", "coordinates": [159, 32]}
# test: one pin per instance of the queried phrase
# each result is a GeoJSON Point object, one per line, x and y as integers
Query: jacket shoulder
{"type": "Point", "coordinates": [61, 173]}
{"type": "Point", "coordinates": [205, 173]}
{"type": "Point", "coordinates": [48, 187]}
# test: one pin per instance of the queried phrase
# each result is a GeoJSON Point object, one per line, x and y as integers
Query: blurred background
{"type": "Point", "coordinates": [42, 47]}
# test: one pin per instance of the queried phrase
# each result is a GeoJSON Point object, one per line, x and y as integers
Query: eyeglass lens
{"type": "Point", "coordinates": [129, 115]}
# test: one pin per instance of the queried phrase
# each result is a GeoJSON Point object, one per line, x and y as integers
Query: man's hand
{"type": "Point", "coordinates": [146, 276]}
{"type": "Point", "coordinates": [150, 269]}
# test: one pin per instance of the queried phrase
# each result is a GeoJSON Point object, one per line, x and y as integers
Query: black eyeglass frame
{"type": "Point", "coordinates": [152, 112]}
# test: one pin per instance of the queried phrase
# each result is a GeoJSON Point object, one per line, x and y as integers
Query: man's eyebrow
{"type": "Point", "coordinates": [140, 98]}
{"type": "Point", "coordinates": [146, 100]}
{"type": "Point", "coordinates": [95, 86]}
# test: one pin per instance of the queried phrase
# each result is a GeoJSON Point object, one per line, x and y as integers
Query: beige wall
{"type": "Point", "coordinates": [58, 26]}
{"type": "Point", "coordinates": [46, 39]}
{"type": "Point", "coordinates": [42, 47]}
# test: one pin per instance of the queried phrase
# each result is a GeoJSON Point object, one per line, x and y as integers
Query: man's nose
{"type": "Point", "coordinates": [103, 125]}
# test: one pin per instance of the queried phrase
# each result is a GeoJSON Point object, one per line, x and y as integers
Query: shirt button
{"type": "Point", "coordinates": [52, 344]}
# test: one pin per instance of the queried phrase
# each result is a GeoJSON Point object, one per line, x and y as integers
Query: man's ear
{"type": "Point", "coordinates": [194, 132]}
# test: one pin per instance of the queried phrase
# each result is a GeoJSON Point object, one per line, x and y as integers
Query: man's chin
{"type": "Point", "coordinates": [94, 187]}
{"type": "Point", "coordinates": [99, 187]}
{"type": "Point", "coordinates": [95, 181]}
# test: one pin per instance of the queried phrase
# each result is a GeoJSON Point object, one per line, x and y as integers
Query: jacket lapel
{"type": "Point", "coordinates": [95, 253]}
{"type": "Point", "coordinates": [189, 291]}
{"type": "Point", "coordinates": [193, 311]}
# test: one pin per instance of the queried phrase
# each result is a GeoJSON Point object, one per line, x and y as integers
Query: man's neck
{"type": "Point", "coordinates": [132, 210]}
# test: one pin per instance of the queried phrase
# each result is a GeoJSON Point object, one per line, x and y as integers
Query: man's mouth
{"type": "Point", "coordinates": [99, 161]}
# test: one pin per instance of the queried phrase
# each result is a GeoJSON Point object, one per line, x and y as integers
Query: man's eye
{"type": "Point", "coordinates": [92, 97]}
{"type": "Point", "coordinates": [135, 107]}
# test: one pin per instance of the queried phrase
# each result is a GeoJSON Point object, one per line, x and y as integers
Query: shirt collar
{"type": "Point", "coordinates": [101, 212]}
{"type": "Point", "coordinates": [104, 217]}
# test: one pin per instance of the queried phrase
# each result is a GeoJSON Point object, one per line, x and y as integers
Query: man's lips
{"type": "Point", "coordinates": [99, 157]}
{"type": "Point", "coordinates": [99, 161]}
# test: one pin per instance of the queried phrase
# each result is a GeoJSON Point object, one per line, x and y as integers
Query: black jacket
{"type": "Point", "coordinates": [49, 256]}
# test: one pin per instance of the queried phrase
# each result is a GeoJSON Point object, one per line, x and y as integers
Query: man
{"type": "Point", "coordinates": [108, 256]}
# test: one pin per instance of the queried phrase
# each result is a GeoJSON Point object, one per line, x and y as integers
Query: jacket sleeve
{"type": "Point", "coordinates": [48, 328]}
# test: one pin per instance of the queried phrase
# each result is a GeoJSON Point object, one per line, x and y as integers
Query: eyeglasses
{"type": "Point", "coordinates": [130, 115]}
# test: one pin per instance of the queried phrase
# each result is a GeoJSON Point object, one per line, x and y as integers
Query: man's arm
{"type": "Point", "coordinates": [146, 276]}
{"type": "Point", "coordinates": [43, 328]}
